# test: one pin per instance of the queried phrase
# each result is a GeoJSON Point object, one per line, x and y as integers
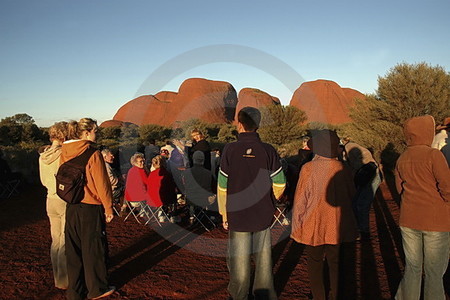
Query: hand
{"type": "Point", "coordinates": [109, 217]}
{"type": "Point", "coordinates": [225, 225]}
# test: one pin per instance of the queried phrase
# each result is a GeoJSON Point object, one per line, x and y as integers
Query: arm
{"type": "Point", "coordinates": [102, 183]}
{"type": "Point", "coordinates": [441, 172]}
{"type": "Point", "coordinates": [278, 183]}
{"type": "Point", "coordinates": [222, 183]}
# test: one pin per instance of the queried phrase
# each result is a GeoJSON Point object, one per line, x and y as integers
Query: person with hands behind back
{"type": "Point", "coordinates": [86, 243]}
{"type": "Point", "coordinates": [250, 180]}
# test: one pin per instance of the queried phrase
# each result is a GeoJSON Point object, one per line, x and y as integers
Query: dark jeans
{"type": "Point", "coordinates": [241, 245]}
{"type": "Point", "coordinates": [362, 202]}
{"type": "Point", "coordinates": [86, 251]}
{"type": "Point", "coordinates": [316, 258]}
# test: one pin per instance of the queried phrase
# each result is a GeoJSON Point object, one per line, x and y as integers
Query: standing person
{"type": "Point", "coordinates": [150, 151]}
{"type": "Point", "coordinates": [422, 179]}
{"type": "Point", "coordinates": [169, 147]}
{"type": "Point", "coordinates": [215, 162]}
{"type": "Point", "coordinates": [322, 215]}
{"type": "Point", "coordinates": [199, 143]}
{"type": "Point", "coordinates": [56, 207]}
{"type": "Point", "coordinates": [367, 178]}
{"type": "Point", "coordinates": [250, 181]}
{"type": "Point", "coordinates": [86, 243]}
{"type": "Point", "coordinates": [441, 142]}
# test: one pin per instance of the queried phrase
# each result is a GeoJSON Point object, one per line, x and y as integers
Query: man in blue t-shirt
{"type": "Point", "coordinates": [250, 181]}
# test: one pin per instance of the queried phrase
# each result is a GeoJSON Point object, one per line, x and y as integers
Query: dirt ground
{"type": "Point", "coordinates": [182, 262]}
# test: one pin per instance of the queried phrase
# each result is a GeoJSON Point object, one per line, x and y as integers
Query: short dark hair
{"type": "Point", "coordinates": [249, 117]}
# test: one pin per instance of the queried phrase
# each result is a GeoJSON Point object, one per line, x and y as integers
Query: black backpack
{"type": "Point", "coordinates": [71, 177]}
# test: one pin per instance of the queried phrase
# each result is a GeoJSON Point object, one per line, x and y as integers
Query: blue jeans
{"type": "Point", "coordinates": [241, 245]}
{"type": "Point", "coordinates": [430, 249]}
{"type": "Point", "coordinates": [363, 201]}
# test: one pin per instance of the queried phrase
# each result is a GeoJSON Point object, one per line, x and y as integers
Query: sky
{"type": "Point", "coordinates": [64, 60]}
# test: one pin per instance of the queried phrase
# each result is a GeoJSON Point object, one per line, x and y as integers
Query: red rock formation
{"type": "Point", "coordinates": [325, 101]}
{"type": "Point", "coordinates": [197, 98]}
{"type": "Point", "coordinates": [255, 98]}
{"type": "Point", "coordinates": [112, 123]}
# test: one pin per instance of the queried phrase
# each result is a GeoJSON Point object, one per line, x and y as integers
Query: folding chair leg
{"type": "Point", "coordinates": [279, 216]}
{"type": "Point", "coordinates": [202, 215]}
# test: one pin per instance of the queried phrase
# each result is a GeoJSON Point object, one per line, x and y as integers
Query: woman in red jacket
{"type": "Point", "coordinates": [161, 187]}
{"type": "Point", "coordinates": [136, 185]}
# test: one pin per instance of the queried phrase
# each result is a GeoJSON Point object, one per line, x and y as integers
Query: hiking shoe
{"type": "Point", "coordinates": [110, 290]}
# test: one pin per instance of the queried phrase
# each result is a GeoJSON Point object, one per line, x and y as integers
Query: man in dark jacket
{"type": "Point", "coordinates": [251, 179]}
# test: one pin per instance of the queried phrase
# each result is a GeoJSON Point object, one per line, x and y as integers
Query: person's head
{"type": "Point", "coordinates": [197, 135]}
{"type": "Point", "coordinates": [445, 125]}
{"type": "Point", "coordinates": [164, 153]}
{"type": "Point", "coordinates": [249, 119]}
{"type": "Point", "coordinates": [345, 140]}
{"type": "Point", "coordinates": [84, 129]}
{"type": "Point", "coordinates": [305, 140]}
{"type": "Point", "coordinates": [138, 160]}
{"type": "Point", "coordinates": [216, 151]}
{"type": "Point", "coordinates": [107, 155]}
{"type": "Point", "coordinates": [198, 158]}
{"type": "Point", "coordinates": [169, 143]}
{"type": "Point", "coordinates": [325, 143]}
{"type": "Point", "coordinates": [158, 161]}
{"type": "Point", "coordinates": [151, 141]}
{"type": "Point", "coordinates": [58, 132]}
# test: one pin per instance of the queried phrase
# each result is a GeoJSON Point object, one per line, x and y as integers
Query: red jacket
{"type": "Point", "coordinates": [161, 188]}
{"type": "Point", "coordinates": [136, 186]}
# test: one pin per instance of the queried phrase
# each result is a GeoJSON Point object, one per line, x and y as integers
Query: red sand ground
{"type": "Point", "coordinates": [183, 263]}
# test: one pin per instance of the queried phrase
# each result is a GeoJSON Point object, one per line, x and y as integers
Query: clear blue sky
{"type": "Point", "coordinates": [62, 60]}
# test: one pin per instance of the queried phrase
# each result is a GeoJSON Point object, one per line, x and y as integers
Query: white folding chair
{"type": "Point", "coordinates": [137, 210]}
{"type": "Point", "coordinates": [9, 188]}
{"type": "Point", "coordinates": [154, 213]}
{"type": "Point", "coordinates": [280, 215]}
{"type": "Point", "coordinates": [200, 214]}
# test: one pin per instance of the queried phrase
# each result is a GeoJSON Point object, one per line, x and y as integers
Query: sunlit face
{"type": "Point", "coordinates": [139, 162]}
{"type": "Point", "coordinates": [92, 135]}
{"type": "Point", "coordinates": [196, 136]}
{"type": "Point", "coordinates": [108, 157]}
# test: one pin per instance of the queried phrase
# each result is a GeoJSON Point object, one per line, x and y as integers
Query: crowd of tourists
{"type": "Point", "coordinates": [330, 193]}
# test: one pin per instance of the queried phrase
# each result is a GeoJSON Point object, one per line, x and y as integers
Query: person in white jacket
{"type": "Point", "coordinates": [56, 207]}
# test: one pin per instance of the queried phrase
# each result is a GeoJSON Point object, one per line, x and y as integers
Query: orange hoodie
{"type": "Point", "coordinates": [98, 189]}
{"type": "Point", "coordinates": [423, 179]}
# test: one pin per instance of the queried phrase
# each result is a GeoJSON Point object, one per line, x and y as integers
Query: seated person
{"type": "Point", "coordinates": [161, 187]}
{"type": "Point", "coordinates": [136, 185]}
{"type": "Point", "coordinates": [200, 184]}
{"type": "Point", "coordinates": [115, 178]}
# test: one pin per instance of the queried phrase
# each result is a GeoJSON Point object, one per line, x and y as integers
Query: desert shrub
{"type": "Point", "coordinates": [407, 90]}
{"type": "Point", "coordinates": [153, 131]}
{"type": "Point", "coordinates": [110, 133]}
{"type": "Point", "coordinates": [20, 128]}
{"type": "Point", "coordinates": [227, 133]}
{"type": "Point", "coordinates": [281, 124]}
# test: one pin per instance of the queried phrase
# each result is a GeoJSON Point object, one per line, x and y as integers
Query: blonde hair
{"type": "Point", "coordinates": [158, 161]}
{"type": "Point", "coordinates": [58, 131]}
{"type": "Point", "coordinates": [135, 157]}
{"type": "Point", "coordinates": [75, 129]}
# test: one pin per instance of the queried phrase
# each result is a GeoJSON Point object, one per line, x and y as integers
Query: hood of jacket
{"type": "Point", "coordinates": [50, 154]}
{"type": "Point", "coordinates": [419, 130]}
{"type": "Point", "coordinates": [73, 148]}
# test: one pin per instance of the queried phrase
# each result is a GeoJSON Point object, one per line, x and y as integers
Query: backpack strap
{"type": "Point", "coordinates": [81, 160]}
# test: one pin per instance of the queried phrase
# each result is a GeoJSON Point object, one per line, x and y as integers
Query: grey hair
{"type": "Point", "coordinates": [135, 157]}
